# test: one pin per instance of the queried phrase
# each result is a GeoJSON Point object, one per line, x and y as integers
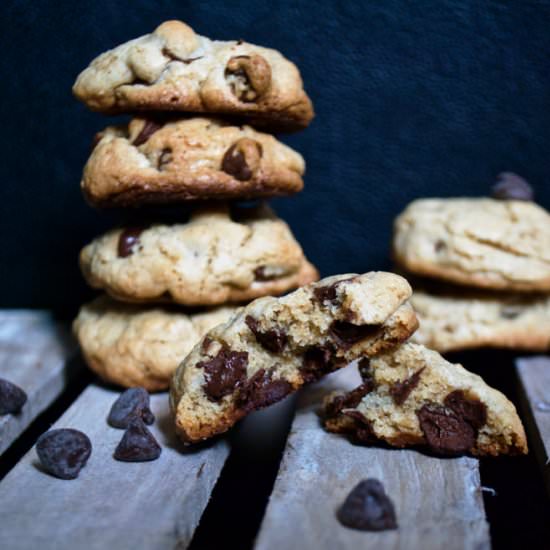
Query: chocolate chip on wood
{"type": "Point", "coordinates": [412, 396]}
{"type": "Point", "coordinates": [132, 403]}
{"type": "Point", "coordinates": [273, 346]}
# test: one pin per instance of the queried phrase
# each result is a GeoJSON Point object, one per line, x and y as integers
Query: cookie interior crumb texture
{"type": "Point", "coordinates": [273, 346]}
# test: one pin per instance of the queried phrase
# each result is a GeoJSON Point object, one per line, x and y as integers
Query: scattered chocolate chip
{"type": "Point", "coordinates": [440, 246]}
{"type": "Point", "coordinates": [242, 159]}
{"type": "Point", "coordinates": [273, 340]}
{"type": "Point", "coordinates": [348, 400]}
{"type": "Point", "coordinates": [128, 238]}
{"type": "Point", "coordinates": [165, 158]}
{"type": "Point", "coordinates": [401, 390]}
{"type": "Point", "coordinates": [445, 432]}
{"type": "Point", "coordinates": [132, 403]}
{"type": "Point", "coordinates": [149, 128]}
{"type": "Point", "coordinates": [317, 361]}
{"type": "Point", "coordinates": [510, 312]}
{"type": "Point", "coordinates": [368, 508]}
{"type": "Point", "coordinates": [63, 453]}
{"type": "Point", "coordinates": [137, 444]}
{"type": "Point", "coordinates": [346, 334]}
{"type": "Point", "coordinates": [224, 373]}
{"type": "Point", "coordinates": [261, 391]}
{"type": "Point", "coordinates": [472, 411]}
{"type": "Point", "coordinates": [12, 397]}
{"type": "Point", "coordinates": [510, 186]}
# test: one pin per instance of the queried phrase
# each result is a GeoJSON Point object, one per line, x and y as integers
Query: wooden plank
{"type": "Point", "coordinates": [534, 377]}
{"type": "Point", "coordinates": [111, 504]}
{"type": "Point", "coordinates": [34, 354]}
{"type": "Point", "coordinates": [438, 501]}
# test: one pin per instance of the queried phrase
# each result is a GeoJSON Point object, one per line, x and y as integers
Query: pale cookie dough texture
{"type": "Point", "coordinates": [411, 396]}
{"type": "Point", "coordinates": [273, 346]}
{"type": "Point", "coordinates": [218, 256]}
{"type": "Point", "coordinates": [166, 160]}
{"type": "Point", "coordinates": [480, 242]}
{"type": "Point", "coordinates": [174, 69]}
{"type": "Point", "coordinates": [457, 320]}
{"type": "Point", "coordinates": [134, 346]}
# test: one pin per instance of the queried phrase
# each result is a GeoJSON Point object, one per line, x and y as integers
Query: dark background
{"type": "Point", "coordinates": [429, 98]}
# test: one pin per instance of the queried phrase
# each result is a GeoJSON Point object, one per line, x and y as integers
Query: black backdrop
{"type": "Point", "coordinates": [428, 98]}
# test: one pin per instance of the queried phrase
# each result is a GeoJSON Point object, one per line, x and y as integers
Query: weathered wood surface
{"type": "Point", "coordinates": [534, 377]}
{"type": "Point", "coordinates": [34, 354]}
{"type": "Point", "coordinates": [438, 501]}
{"type": "Point", "coordinates": [111, 504]}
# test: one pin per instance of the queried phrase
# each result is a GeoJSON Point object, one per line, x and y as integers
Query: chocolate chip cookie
{"type": "Point", "coordinates": [457, 319]}
{"type": "Point", "coordinates": [499, 244]}
{"type": "Point", "coordinates": [273, 346]}
{"type": "Point", "coordinates": [175, 69]}
{"type": "Point", "coordinates": [164, 160]}
{"type": "Point", "coordinates": [219, 255]}
{"type": "Point", "coordinates": [133, 345]}
{"type": "Point", "coordinates": [412, 396]}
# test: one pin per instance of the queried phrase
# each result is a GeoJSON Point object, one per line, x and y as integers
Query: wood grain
{"type": "Point", "coordinates": [34, 354]}
{"type": "Point", "coordinates": [112, 504]}
{"type": "Point", "coordinates": [534, 377]}
{"type": "Point", "coordinates": [438, 501]}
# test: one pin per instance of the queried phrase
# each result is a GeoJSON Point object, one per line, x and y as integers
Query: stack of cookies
{"type": "Point", "coordinates": [484, 268]}
{"type": "Point", "coordinates": [167, 283]}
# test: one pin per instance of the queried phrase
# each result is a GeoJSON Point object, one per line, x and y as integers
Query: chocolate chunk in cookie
{"type": "Point", "coordinates": [224, 373]}
{"type": "Point", "coordinates": [273, 340]}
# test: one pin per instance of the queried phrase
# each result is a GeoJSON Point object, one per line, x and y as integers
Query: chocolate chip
{"type": "Point", "coordinates": [261, 391]}
{"type": "Point", "coordinates": [206, 344]}
{"type": "Point", "coordinates": [127, 239]}
{"type": "Point", "coordinates": [446, 433]}
{"type": "Point", "coordinates": [248, 76]}
{"type": "Point", "coordinates": [362, 431]}
{"type": "Point", "coordinates": [234, 164]}
{"type": "Point", "coordinates": [64, 452]}
{"type": "Point", "coordinates": [149, 128]}
{"type": "Point", "coordinates": [472, 411]}
{"type": "Point", "coordinates": [510, 312]}
{"type": "Point", "coordinates": [368, 508]}
{"type": "Point", "coordinates": [365, 370]}
{"type": "Point", "coordinates": [224, 373]}
{"type": "Point", "coordinates": [346, 334]}
{"type": "Point", "coordinates": [328, 293]}
{"type": "Point", "coordinates": [440, 246]}
{"type": "Point", "coordinates": [510, 186]}
{"type": "Point", "coordinates": [137, 444]}
{"type": "Point", "coordinates": [317, 361]}
{"type": "Point", "coordinates": [401, 390]}
{"type": "Point", "coordinates": [273, 340]}
{"type": "Point", "coordinates": [261, 274]}
{"type": "Point", "coordinates": [12, 397]}
{"type": "Point", "coordinates": [132, 403]}
{"type": "Point", "coordinates": [349, 400]}
{"type": "Point", "coordinates": [167, 53]}
{"type": "Point", "coordinates": [165, 158]}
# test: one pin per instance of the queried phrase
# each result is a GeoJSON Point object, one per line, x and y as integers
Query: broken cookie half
{"type": "Point", "coordinates": [411, 396]}
{"type": "Point", "coordinates": [273, 346]}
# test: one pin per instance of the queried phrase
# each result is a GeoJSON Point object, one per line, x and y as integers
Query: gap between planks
{"type": "Point", "coordinates": [438, 501]}
{"type": "Point", "coordinates": [35, 354]}
{"type": "Point", "coordinates": [111, 504]}
{"type": "Point", "coordinates": [534, 377]}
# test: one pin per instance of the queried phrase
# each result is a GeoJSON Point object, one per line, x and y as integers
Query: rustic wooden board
{"type": "Point", "coordinates": [111, 504]}
{"type": "Point", "coordinates": [34, 354]}
{"type": "Point", "coordinates": [438, 501]}
{"type": "Point", "coordinates": [534, 377]}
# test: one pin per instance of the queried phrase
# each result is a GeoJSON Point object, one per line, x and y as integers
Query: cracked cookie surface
{"type": "Point", "coordinates": [479, 242]}
{"type": "Point", "coordinates": [411, 396]}
{"type": "Point", "coordinates": [162, 160]}
{"type": "Point", "coordinates": [457, 319]}
{"type": "Point", "coordinates": [218, 256]}
{"type": "Point", "coordinates": [133, 345]}
{"type": "Point", "coordinates": [273, 346]}
{"type": "Point", "coordinates": [175, 69]}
